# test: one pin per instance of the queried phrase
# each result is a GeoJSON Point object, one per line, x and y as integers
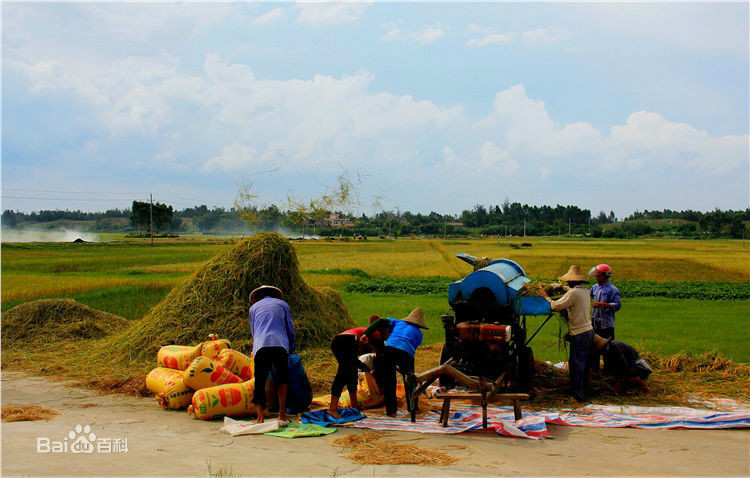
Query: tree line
{"type": "Point", "coordinates": [505, 219]}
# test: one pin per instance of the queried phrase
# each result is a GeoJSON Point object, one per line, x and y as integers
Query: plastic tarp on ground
{"type": "Point", "coordinates": [534, 423]}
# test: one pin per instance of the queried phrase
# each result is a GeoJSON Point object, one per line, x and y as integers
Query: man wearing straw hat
{"type": "Point", "coordinates": [576, 302]}
{"type": "Point", "coordinates": [402, 339]}
{"type": "Point", "coordinates": [273, 340]}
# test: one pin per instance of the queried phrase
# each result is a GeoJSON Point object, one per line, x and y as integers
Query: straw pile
{"type": "Point", "coordinates": [369, 449]}
{"type": "Point", "coordinates": [550, 288]}
{"type": "Point", "coordinates": [216, 299]}
{"type": "Point", "coordinates": [18, 413]}
{"type": "Point", "coordinates": [699, 363]}
{"type": "Point", "coordinates": [53, 320]}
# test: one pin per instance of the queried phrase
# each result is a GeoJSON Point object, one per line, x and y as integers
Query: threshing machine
{"type": "Point", "coordinates": [486, 345]}
{"type": "Point", "coordinates": [487, 336]}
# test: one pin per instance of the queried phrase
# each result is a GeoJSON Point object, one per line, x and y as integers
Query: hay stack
{"type": "Point", "coordinates": [216, 300]}
{"type": "Point", "coordinates": [54, 320]}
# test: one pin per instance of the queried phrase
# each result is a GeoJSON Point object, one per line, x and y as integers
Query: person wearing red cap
{"type": "Point", "coordinates": [347, 347]}
{"type": "Point", "coordinates": [606, 302]}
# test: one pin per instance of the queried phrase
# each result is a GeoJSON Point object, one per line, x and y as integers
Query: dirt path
{"type": "Point", "coordinates": [164, 443]}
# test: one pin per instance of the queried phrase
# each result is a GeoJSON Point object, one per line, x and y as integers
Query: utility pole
{"type": "Point", "coordinates": [568, 226]}
{"type": "Point", "coordinates": [151, 217]}
{"type": "Point", "coordinates": [524, 227]}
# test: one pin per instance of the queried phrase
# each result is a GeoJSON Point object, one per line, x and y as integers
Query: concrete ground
{"type": "Point", "coordinates": [170, 443]}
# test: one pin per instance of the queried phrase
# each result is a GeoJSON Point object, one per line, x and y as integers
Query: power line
{"type": "Point", "coordinates": [63, 199]}
{"type": "Point", "coordinates": [74, 192]}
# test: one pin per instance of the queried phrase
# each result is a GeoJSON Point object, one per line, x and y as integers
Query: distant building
{"type": "Point", "coordinates": [457, 224]}
{"type": "Point", "coordinates": [334, 220]}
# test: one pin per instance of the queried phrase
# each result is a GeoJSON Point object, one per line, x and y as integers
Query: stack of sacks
{"type": "Point", "coordinates": [210, 380]}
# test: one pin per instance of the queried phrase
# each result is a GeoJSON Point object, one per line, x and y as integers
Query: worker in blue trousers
{"type": "Point", "coordinates": [577, 303]}
{"type": "Point", "coordinates": [402, 337]}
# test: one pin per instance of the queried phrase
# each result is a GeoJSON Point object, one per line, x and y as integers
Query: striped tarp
{"type": "Point", "coordinates": [534, 423]}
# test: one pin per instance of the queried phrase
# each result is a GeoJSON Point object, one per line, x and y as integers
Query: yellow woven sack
{"type": "Point", "coordinates": [175, 395]}
{"type": "Point", "coordinates": [203, 373]}
{"type": "Point", "coordinates": [236, 362]}
{"type": "Point", "coordinates": [177, 357]}
{"type": "Point", "coordinates": [156, 378]}
{"type": "Point", "coordinates": [212, 348]}
{"type": "Point", "coordinates": [368, 394]}
{"type": "Point", "coordinates": [231, 400]}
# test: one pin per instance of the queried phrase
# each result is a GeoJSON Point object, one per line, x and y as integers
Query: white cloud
{"type": "Point", "coordinates": [425, 36]}
{"type": "Point", "coordinates": [233, 156]}
{"type": "Point", "coordinates": [474, 28]}
{"type": "Point", "coordinates": [491, 39]}
{"type": "Point", "coordinates": [325, 13]}
{"type": "Point", "coordinates": [269, 18]}
{"type": "Point", "coordinates": [544, 173]}
{"type": "Point", "coordinates": [497, 159]}
{"type": "Point", "coordinates": [546, 36]}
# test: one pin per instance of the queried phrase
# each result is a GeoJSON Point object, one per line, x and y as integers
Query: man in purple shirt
{"type": "Point", "coordinates": [606, 302]}
{"type": "Point", "coordinates": [273, 341]}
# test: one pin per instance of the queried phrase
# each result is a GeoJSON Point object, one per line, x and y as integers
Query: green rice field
{"type": "Point", "coordinates": [127, 278]}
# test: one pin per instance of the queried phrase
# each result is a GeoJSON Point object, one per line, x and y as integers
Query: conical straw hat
{"type": "Point", "coordinates": [276, 293]}
{"type": "Point", "coordinates": [600, 342]}
{"type": "Point", "coordinates": [574, 274]}
{"type": "Point", "coordinates": [416, 317]}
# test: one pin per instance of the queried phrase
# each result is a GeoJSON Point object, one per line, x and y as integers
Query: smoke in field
{"type": "Point", "coordinates": [30, 235]}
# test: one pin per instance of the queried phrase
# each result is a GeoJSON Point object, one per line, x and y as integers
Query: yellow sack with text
{"type": "Point", "coordinates": [177, 357]}
{"type": "Point", "coordinates": [237, 363]}
{"type": "Point", "coordinates": [230, 400]}
{"type": "Point", "coordinates": [156, 378]}
{"type": "Point", "coordinates": [212, 348]}
{"type": "Point", "coordinates": [175, 395]}
{"type": "Point", "coordinates": [368, 394]}
{"type": "Point", "coordinates": [204, 372]}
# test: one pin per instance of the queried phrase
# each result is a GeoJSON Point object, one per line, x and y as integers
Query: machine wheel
{"type": "Point", "coordinates": [526, 371]}
{"type": "Point", "coordinates": [445, 354]}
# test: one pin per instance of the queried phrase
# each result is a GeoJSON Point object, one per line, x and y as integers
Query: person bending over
{"type": "Point", "coordinates": [273, 340]}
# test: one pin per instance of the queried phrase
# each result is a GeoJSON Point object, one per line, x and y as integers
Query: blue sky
{"type": "Point", "coordinates": [427, 106]}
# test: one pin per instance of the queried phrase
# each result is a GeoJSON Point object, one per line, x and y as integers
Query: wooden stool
{"type": "Point", "coordinates": [446, 397]}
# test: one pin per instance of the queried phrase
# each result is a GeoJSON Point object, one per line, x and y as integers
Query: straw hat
{"type": "Point", "coordinates": [600, 342]}
{"type": "Point", "coordinates": [574, 274]}
{"type": "Point", "coordinates": [272, 291]}
{"type": "Point", "coordinates": [416, 317]}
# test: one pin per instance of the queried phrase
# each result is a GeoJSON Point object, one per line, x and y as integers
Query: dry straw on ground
{"type": "Point", "coordinates": [18, 413]}
{"type": "Point", "coordinates": [54, 320]}
{"type": "Point", "coordinates": [369, 448]}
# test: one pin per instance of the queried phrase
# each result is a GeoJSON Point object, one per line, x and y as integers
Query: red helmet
{"type": "Point", "coordinates": [602, 269]}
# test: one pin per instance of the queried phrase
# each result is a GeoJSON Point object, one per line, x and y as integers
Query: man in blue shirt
{"type": "Point", "coordinates": [606, 302]}
{"type": "Point", "coordinates": [273, 340]}
{"type": "Point", "coordinates": [402, 339]}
